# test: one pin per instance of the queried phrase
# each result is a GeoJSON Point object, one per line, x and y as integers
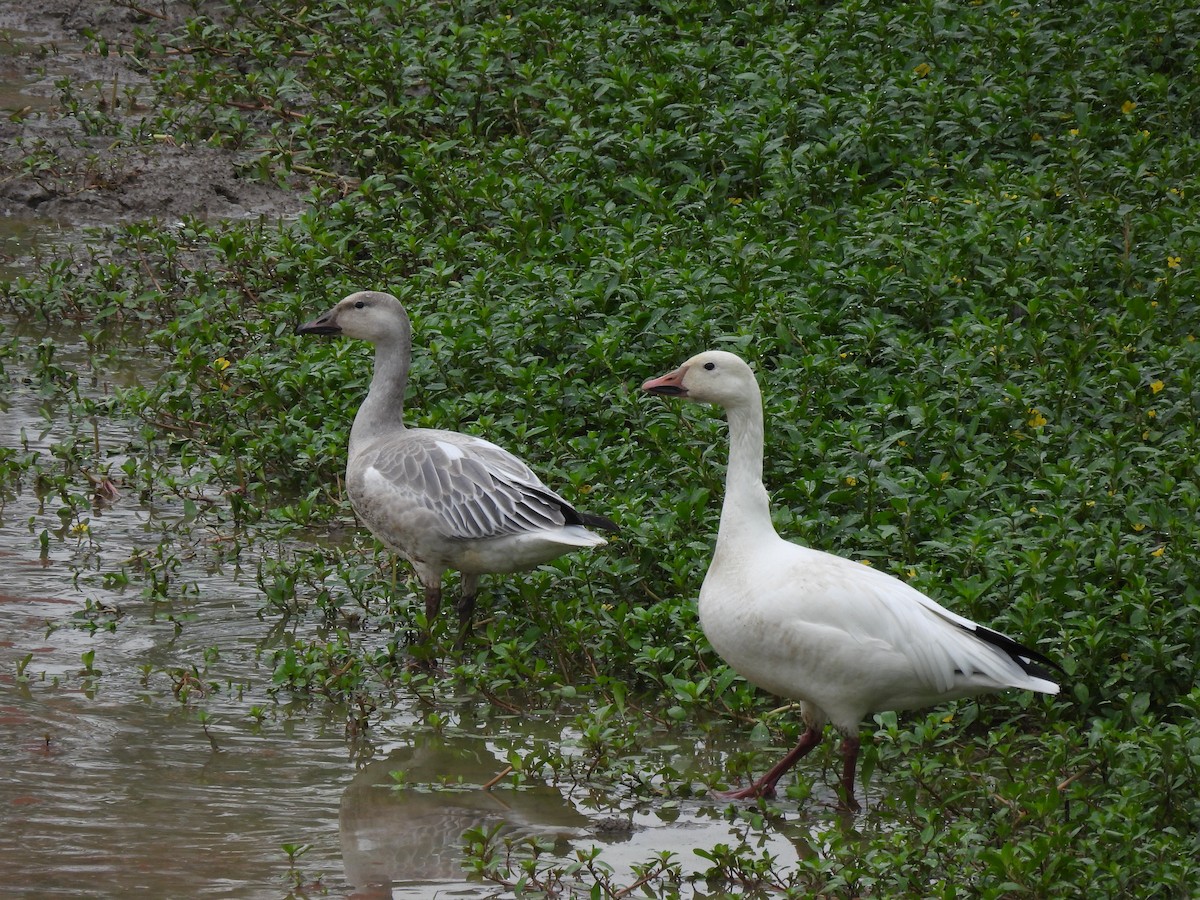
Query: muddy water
{"type": "Point", "coordinates": [150, 760]}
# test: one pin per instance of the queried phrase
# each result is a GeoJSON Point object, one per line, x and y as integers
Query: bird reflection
{"type": "Point", "coordinates": [410, 830]}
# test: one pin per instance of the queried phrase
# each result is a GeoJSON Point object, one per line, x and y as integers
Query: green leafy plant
{"type": "Point", "coordinates": [958, 243]}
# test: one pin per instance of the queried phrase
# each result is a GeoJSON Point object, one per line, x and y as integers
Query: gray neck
{"type": "Point", "coordinates": [383, 409]}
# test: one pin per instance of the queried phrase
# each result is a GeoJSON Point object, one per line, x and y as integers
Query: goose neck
{"type": "Point", "coordinates": [383, 408]}
{"type": "Point", "coordinates": [746, 512]}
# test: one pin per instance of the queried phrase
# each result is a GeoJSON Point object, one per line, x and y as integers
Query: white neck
{"type": "Point", "coordinates": [746, 512]}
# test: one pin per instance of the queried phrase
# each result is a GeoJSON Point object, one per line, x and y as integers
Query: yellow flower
{"type": "Point", "coordinates": [1036, 419]}
{"type": "Point", "coordinates": [1074, 132]}
{"type": "Point", "coordinates": [735, 201]}
{"type": "Point", "coordinates": [912, 573]}
{"type": "Point", "coordinates": [1033, 509]}
{"type": "Point", "coordinates": [1174, 261]}
{"type": "Point", "coordinates": [923, 69]}
{"type": "Point", "coordinates": [1158, 551]}
{"type": "Point", "coordinates": [221, 364]}
{"type": "Point", "coordinates": [944, 476]}
{"type": "Point", "coordinates": [80, 528]}
{"type": "Point", "coordinates": [1139, 526]}
{"type": "Point", "coordinates": [1156, 386]}
{"type": "Point", "coordinates": [1128, 106]}
{"type": "Point", "coordinates": [1090, 503]}
{"type": "Point", "coordinates": [1035, 137]}
{"type": "Point", "coordinates": [851, 480]}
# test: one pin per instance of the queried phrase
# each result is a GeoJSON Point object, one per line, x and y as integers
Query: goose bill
{"type": "Point", "coordinates": [669, 385]}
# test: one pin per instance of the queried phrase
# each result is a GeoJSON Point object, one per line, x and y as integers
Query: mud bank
{"type": "Point", "coordinates": [54, 169]}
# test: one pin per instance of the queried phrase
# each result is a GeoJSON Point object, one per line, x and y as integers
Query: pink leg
{"type": "Point", "coordinates": [765, 786]}
{"type": "Point", "coordinates": [850, 745]}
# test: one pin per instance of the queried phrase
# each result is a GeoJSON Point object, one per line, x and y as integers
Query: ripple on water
{"type": "Point", "coordinates": [112, 785]}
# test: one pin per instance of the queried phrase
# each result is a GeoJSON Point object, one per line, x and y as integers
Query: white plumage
{"type": "Point", "coordinates": [843, 639]}
{"type": "Point", "coordinates": [441, 499]}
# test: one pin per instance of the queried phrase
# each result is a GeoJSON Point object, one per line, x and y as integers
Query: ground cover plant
{"type": "Point", "coordinates": [957, 241]}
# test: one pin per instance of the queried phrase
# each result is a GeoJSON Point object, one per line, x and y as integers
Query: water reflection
{"type": "Point", "coordinates": [20, 93]}
{"type": "Point", "coordinates": [403, 817]}
{"type": "Point", "coordinates": [105, 797]}
{"type": "Point", "coordinates": [23, 240]}
{"type": "Point", "coordinates": [113, 784]}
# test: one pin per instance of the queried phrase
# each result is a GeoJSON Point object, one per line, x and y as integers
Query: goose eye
{"type": "Point", "coordinates": [359, 305]}
{"type": "Point", "coordinates": [710, 366]}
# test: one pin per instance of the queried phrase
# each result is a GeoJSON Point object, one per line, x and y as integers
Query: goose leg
{"type": "Point", "coordinates": [422, 652]}
{"type": "Point", "coordinates": [466, 607]}
{"type": "Point", "coordinates": [765, 786]}
{"type": "Point", "coordinates": [433, 602]}
{"type": "Point", "coordinates": [850, 744]}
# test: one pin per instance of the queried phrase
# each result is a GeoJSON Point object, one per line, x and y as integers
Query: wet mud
{"type": "Point", "coordinates": [114, 784]}
{"type": "Point", "coordinates": [54, 169]}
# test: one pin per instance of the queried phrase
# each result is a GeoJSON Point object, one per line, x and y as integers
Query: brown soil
{"type": "Point", "coordinates": [50, 169]}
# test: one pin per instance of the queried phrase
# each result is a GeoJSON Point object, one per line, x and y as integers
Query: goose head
{"type": "Point", "coordinates": [367, 315]}
{"type": "Point", "coordinates": [714, 376]}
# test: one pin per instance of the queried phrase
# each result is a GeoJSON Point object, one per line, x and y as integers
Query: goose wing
{"type": "Point", "coordinates": [473, 488]}
{"type": "Point", "coordinates": [943, 647]}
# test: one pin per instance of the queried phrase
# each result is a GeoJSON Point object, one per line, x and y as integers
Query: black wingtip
{"type": "Point", "coordinates": [572, 516]}
{"type": "Point", "coordinates": [596, 521]}
{"type": "Point", "coordinates": [1032, 662]}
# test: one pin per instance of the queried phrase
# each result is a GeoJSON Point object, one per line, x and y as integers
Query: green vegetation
{"type": "Point", "coordinates": [958, 241]}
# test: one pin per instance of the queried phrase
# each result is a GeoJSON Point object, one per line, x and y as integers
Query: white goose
{"type": "Point", "coordinates": [844, 639]}
{"type": "Point", "coordinates": [441, 499]}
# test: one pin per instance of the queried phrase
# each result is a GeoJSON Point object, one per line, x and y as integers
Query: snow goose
{"type": "Point", "coordinates": [843, 639]}
{"type": "Point", "coordinates": [441, 499]}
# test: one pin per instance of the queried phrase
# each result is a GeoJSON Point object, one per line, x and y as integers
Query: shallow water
{"type": "Point", "coordinates": [114, 780]}
{"type": "Point", "coordinates": [21, 95]}
{"type": "Point", "coordinates": [152, 760]}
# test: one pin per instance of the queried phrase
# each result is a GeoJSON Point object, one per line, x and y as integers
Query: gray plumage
{"type": "Point", "coordinates": [441, 499]}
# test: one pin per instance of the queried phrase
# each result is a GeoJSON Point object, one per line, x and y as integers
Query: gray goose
{"type": "Point", "coordinates": [442, 499]}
